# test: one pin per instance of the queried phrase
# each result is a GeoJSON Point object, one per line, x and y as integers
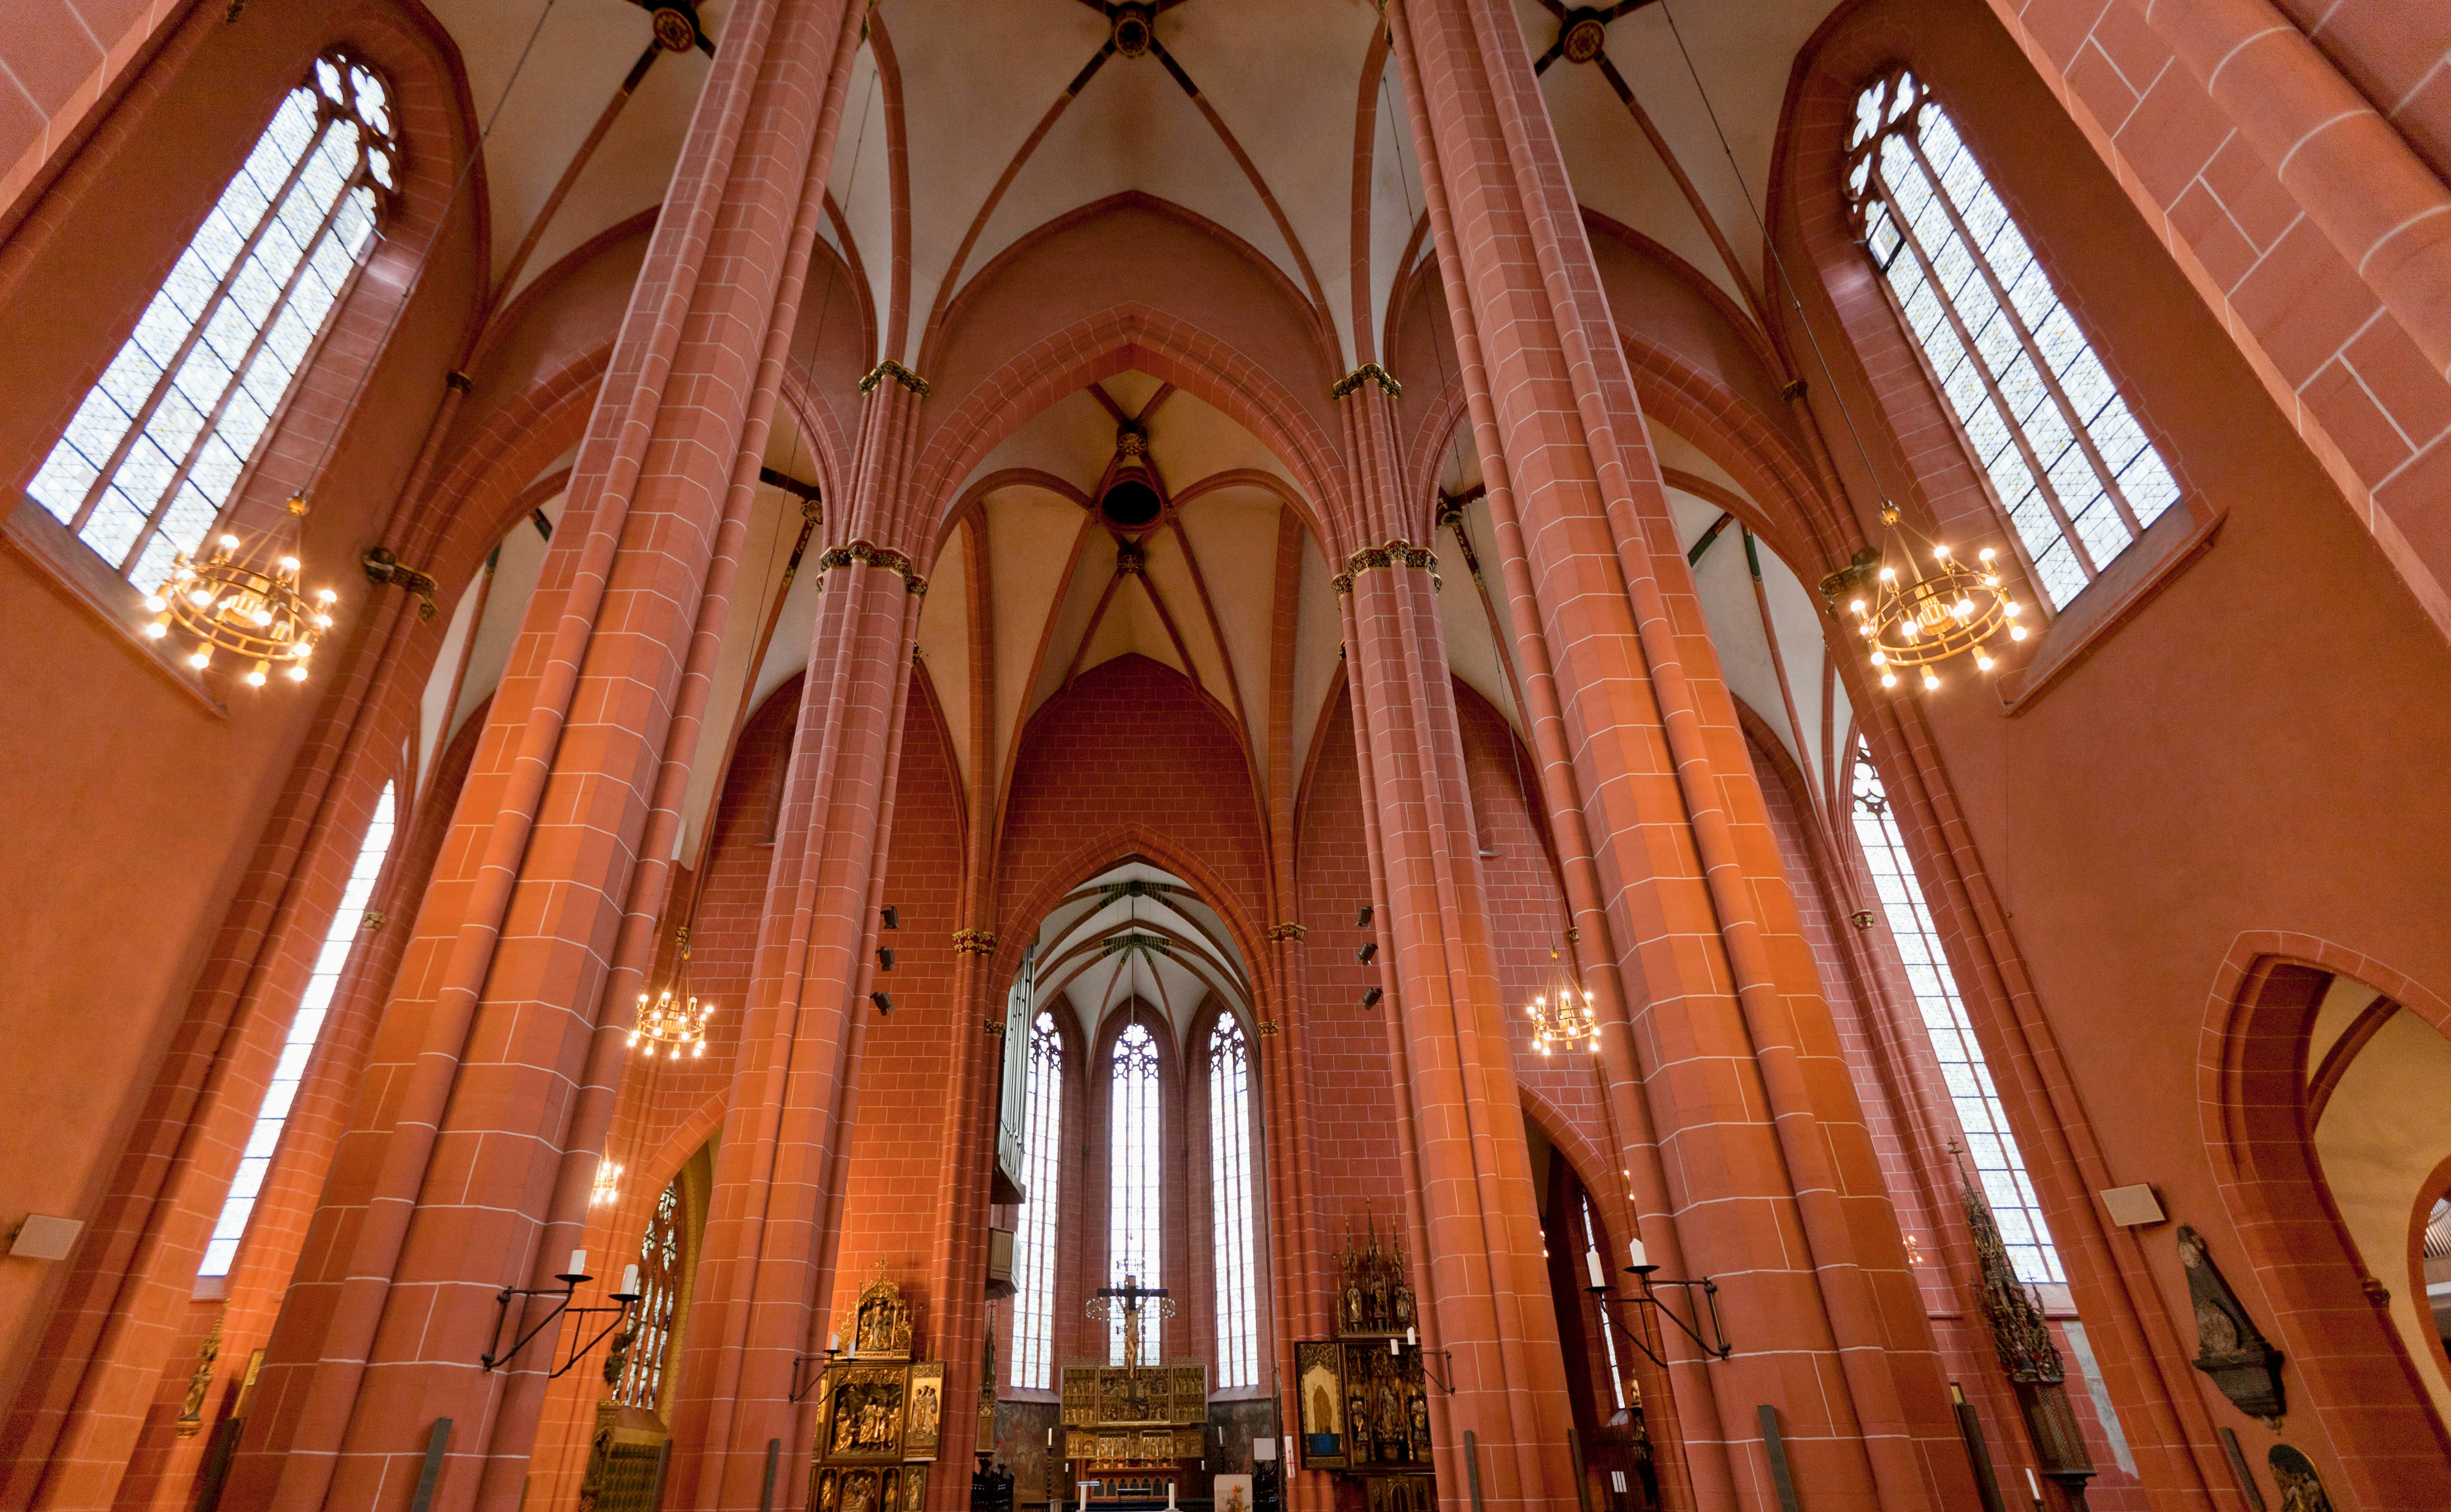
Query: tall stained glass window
{"type": "Point", "coordinates": [661, 1261]}
{"type": "Point", "coordinates": [2069, 464]}
{"type": "Point", "coordinates": [1033, 1260]}
{"type": "Point", "coordinates": [1230, 1171]}
{"type": "Point", "coordinates": [339, 941]}
{"type": "Point", "coordinates": [1989, 1146]}
{"type": "Point", "coordinates": [1133, 1165]}
{"type": "Point", "coordinates": [155, 451]}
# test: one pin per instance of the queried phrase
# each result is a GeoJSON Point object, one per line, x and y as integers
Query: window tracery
{"type": "Point", "coordinates": [2067, 461]}
{"type": "Point", "coordinates": [1133, 1166]}
{"type": "Point", "coordinates": [1990, 1147]}
{"type": "Point", "coordinates": [340, 941]}
{"type": "Point", "coordinates": [1033, 1307]}
{"type": "Point", "coordinates": [153, 455]}
{"type": "Point", "coordinates": [660, 1264]}
{"type": "Point", "coordinates": [1229, 1167]}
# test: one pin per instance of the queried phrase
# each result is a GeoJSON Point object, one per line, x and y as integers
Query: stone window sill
{"type": "Point", "coordinates": [2144, 570]}
{"type": "Point", "coordinates": [84, 581]}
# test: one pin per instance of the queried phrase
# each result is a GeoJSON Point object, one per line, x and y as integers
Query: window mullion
{"type": "Point", "coordinates": [2079, 426]}
{"type": "Point", "coordinates": [137, 423]}
{"type": "Point", "coordinates": [1973, 358]}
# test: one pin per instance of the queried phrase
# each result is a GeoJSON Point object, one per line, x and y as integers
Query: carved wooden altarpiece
{"type": "Point", "coordinates": [880, 1414]}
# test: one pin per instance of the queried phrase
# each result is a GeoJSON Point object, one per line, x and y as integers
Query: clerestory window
{"type": "Point", "coordinates": [1033, 1263]}
{"type": "Point", "coordinates": [340, 942]}
{"type": "Point", "coordinates": [1990, 1147]}
{"type": "Point", "coordinates": [1229, 1169]}
{"type": "Point", "coordinates": [1134, 1172]}
{"type": "Point", "coordinates": [154, 454]}
{"type": "Point", "coordinates": [2070, 467]}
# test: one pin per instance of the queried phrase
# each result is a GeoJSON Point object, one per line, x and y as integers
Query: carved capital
{"type": "Point", "coordinates": [1366, 373]}
{"type": "Point", "coordinates": [975, 942]}
{"type": "Point", "coordinates": [869, 554]}
{"type": "Point", "coordinates": [1395, 553]}
{"type": "Point", "coordinates": [1287, 930]}
{"type": "Point", "coordinates": [890, 369]}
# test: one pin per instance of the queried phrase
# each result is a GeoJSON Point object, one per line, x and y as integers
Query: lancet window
{"type": "Point", "coordinates": [1595, 1251]}
{"type": "Point", "coordinates": [661, 1265]}
{"type": "Point", "coordinates": [1990, 1147]}
{"type": "Point", "coordinates": [2069, 465]}
{"type": "Point", "coordinates": [1033, 1261]}
{"type": "Point", "coordinates": [154, 454]}
{"type": "Point", "coordinates": [340, 941]}
{"type": "Point", "coordinates": [1133, 1175]}
{"type": "Point", "coordinates": [1229, 1169]}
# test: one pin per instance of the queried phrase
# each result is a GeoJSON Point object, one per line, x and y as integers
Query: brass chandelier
{"type": "Point", "coordinates": [230, 602]}
{"type": "Point", "coordinates": [1562, 1013]}
{"type": "Point", "coordinates": [675, 1022]}
{"type": "Point", "coordinates": [1912, 621]}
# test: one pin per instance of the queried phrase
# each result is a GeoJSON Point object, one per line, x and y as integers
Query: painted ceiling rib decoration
{"type": "Point", "coordinates": [1137, 938]}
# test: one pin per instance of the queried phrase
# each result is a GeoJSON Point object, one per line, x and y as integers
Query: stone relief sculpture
{"type": "Point", "coordinates": [2230, 1347]}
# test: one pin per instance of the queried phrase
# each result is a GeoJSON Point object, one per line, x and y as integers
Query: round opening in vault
{"type": "Point", "coordinates": [1130, 504]}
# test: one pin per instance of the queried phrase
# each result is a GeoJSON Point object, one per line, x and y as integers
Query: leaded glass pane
{"type": "Point", "coordinates": [1042, 1167]}
{"type": "Point", "coordinates": [1953, 242]}
{"type": "Point", "coordinates": [1989, 1148]}
{"type": "Point", "coordinates": [1133, 1250]}
{"type": "Point", "coordinates": [272, 250]}
{"type": "Point", "coordinates": [306, 1030]}
{"type": "Point", "coordinates": [1229, 1166]}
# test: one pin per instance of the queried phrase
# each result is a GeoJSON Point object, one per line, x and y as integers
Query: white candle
{"type": "Point", "coordinates": [833, 1344]}
{"type": "Point", "coordinates": [2033, 1486]}
{"type": "Point", "coordinates": [1169, 1495]}
{"type": "Point", "coordinates": [1410, 1337]}
{"type": "Point", "coordinates": [1633, 1250]}
{"type": "Point", "coordinates": [630, 1281]}
{"type": "Point", "coordinates": [579, 1262]}
{"type": "Point", "coordinates": [1393, 1348]}
{"type": "Point", "coordinates": [1600, 1275]}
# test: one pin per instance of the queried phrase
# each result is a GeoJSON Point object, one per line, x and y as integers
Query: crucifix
{"type": "Point", "coordinates": [1126, 1301]}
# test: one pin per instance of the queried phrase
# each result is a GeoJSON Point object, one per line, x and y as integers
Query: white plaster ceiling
{"type": "Point", "coordinates": [581, 52]}
{"type": "Point", "coordinates": [982, 90]}
{"type": "Point", "coordinates": [1137, 938]}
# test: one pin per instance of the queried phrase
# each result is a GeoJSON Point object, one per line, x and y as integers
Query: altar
{"type": "Point", "coordinates": [1134, 1435]}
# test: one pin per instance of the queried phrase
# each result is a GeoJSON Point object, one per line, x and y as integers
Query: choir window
{"type": "Point", "coordinates": [1989, 1144]}
{"type": "Point", "coordinates": [1132, 1205]}
{"type": "Point", "coordinates": [1033, 1302]}
{"type": "Point", "coordinates": [2067, 460]}
{"type": "Point", "coordinates": [1229, 1169]}
{"type": "Point", "coordinates": [651, 1325]}
{"type": "Point", "coordinates": [154, 454]}
{"type": "Point", "coordinates": [291, 1070]}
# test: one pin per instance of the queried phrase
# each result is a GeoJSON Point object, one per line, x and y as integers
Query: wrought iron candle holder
{"type": "Point", "coordinates": [570, 1279]}
{"type": "Point", "coordinates": [1705, 1311]}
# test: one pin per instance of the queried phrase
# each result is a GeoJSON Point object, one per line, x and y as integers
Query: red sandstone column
{"type": "Point", "coordinates": [467, 1165]}
{"type": "Point", "coordinates": [762, 1277]}
{"type": "Point", "coordinates": [960, 1319]}
{"type": "Point", "coordinates": [2360, 183]}
{"type": "Point", "coordinates": [1484, 1278]}
{"type": "Point", "coordinates": [1775, 1184]}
